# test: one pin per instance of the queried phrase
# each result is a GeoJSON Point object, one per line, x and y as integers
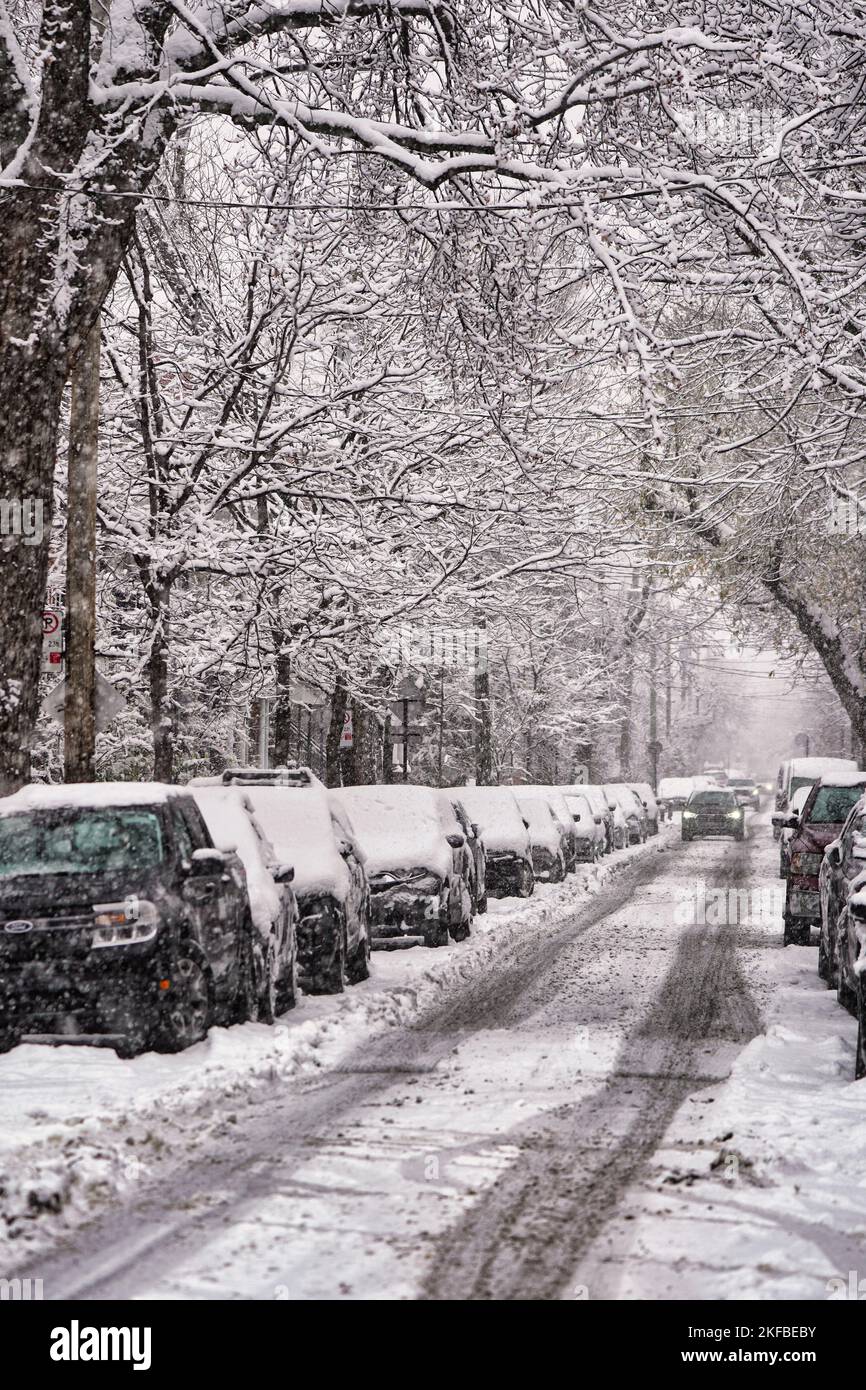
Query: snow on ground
{"type": "Point", "coordinates": [78, 1125]}
{"type": "Point", "coordinates": [759, 1188]}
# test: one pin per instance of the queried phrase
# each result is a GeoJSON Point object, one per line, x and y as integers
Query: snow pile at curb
{"type": "Point", "coordinates": [79, 1126]}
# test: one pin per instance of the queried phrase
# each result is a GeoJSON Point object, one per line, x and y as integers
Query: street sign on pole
{"type": "Point", "coordinates": [347, 737]}
{"type": "Point", "coordinates": [52, 641]}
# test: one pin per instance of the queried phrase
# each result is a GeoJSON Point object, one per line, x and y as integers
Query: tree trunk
{"type": "Point", "coordinates": [335, 733]}
{"type": "Point", "coordinates": [79, 715]}
{"type": "Point", "coordinates": [161, 710]}
{"type": "Point", "coordinates": [483, 730]}
{"type": "Point", "coordinates": [31, 396]}
{"type": "Point", "coordinates": [283, 711]}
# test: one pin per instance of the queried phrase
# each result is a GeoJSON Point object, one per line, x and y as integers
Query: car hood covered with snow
{"type": "Point", "coordinates": [297, 821]}
{"type": "Point", "coordinates": [398, 828]}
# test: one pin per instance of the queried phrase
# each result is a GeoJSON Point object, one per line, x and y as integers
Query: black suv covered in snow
{"type": "Point", "coordinates": [713, 811]}
{"type": "Point", "coordinates": [119, 920]}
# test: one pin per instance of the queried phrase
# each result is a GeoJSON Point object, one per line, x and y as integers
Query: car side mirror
{"type": "Point", "coordinates": [283, 873]}
{"type": "Point", "coordinates": [576, 815]}
{"type": "Point", "coordinates": [832, 854]}
{"type": "Point", "coordinates": [597, 820]}
{"type": "Point", "coordinates": [207, 861]}
{"type": "Point", "coordinates": [526, 824]}
{"type": "Point", "coordinates": [456, 841]}
{"type": "Point", "coordinates": [345, 848]}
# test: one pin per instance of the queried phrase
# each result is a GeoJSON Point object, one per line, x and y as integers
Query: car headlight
{"type": "Point", "coordinates": [735, 815]}
{"type": "Point", "coordinates": [124, 924]}
{"type": "Point", "coordinates": [689, 815]}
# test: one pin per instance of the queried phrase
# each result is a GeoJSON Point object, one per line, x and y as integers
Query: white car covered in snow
{"type": "Point", "coordinates": [545, 837]}
{"type": "Point", "coordinates": [588, 827]}
{"type": "Point", "coordinates": [506, 839]}
{"type": "Point", "coordinates": [307, 829]}
{"type": "Point", "coordinates": [229, 816]}
{"type": "Point", "coordinates": [418, 893]}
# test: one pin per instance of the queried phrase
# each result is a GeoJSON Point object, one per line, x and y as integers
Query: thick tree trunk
{"type": "Point", "coordinates": [335, 732]}
{"type": "Point", "coordinates": [162, 712]}
{"type": "Point", "coordinates": [483, 730]}
{"type": "Point", "coordinates": [283, 712]}
{"type": "Point", "coordinates": [31, 396]}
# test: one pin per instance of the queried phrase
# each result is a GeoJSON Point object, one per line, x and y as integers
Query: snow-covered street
{"type": "Point", "coordinates": [592, 1098]}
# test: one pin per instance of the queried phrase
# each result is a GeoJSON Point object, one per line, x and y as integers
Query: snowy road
{"type": "Point", "coordinates": [510, 1142]}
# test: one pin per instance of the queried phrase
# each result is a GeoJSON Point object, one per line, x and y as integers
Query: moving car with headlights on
{"type": "Point", "coordinates": [747, 792]}
{"type": "Point", "coordinates": [827, 807]}
{"type": "Point", "coordinates": [418, 889]}
{"type": "Point", "coordinates": [120, 921]}
{"type": "Point", "coordinates": [713, 811]}
{"type": "Point", "coordinates": [508, 853]}
{"type": "Point", "coordinates": [230, 818]}
{"type": "Point", "coordinates": [307, 829]}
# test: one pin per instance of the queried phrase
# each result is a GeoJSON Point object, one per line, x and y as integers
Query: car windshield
{"type": "Point", "coordinates": [832, 804]}
{"type": "Point", "coordinates": [708, 800]}
{"type": "Point", "coordinates": [797, 782]}
{"type": "Point", "coordinates": [77, 840]}
{"type": "Point", "coordinates": [740, 782]}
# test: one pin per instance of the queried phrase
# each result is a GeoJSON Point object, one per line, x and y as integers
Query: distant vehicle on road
{"type": "Point", "coordinates": [632, 808]}
{"type": "Point", "coordinates": [713, 811]}
{"type": "Point", "coordinates": [746, 791]}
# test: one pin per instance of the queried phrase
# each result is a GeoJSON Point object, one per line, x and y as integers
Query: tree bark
{"type": "Point", "coordinates": [79, 715]}
{"type": "Point", "coordinates": [335, 733]}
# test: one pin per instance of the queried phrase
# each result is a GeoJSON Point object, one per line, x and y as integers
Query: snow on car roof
{"type": "Point", "coordinates": [398, 827]}
{"type": "Point", "coordinates": [843, 779]}
{"type": "Point", "coordinates": [815, 767]}
{"type": "Point", "coordinates": [675, 786]}
{"type": "Point", "coordinates": [497, 815]}
{"type": "Point", "coordinates": [42, 796]}
{"type": "Point", "coordinates": [297, 821]}
{"type": "Point", "coordinates": [555, 799]}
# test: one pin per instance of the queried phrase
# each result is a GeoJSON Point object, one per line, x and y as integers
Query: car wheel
{"type": "Point", "coordinates": [188, 1009]}
{"type": "Point", "coordinates": [860, 1060]}
{"type": "Point", "coordinates": [823, 964]}
{"type": "Point", "coordinates": [740, 836]}
{"type": "Point", "coordinates": [132, 1044]}
{"type": "Point", "coordinates": [436, 933]}
{"type": "Point", "coordinates": [481, 905]}
{"type": "Point", "coordinates": [526, 887]}
{"type": "Point", "coordinates": [8, 1039]}
{"type": "Point", "coordinates": [358, 963]}
{"type": "Point", "coordinates": [285, 988]}
{"type": "Point", "coordinates": [330, 979]}
{"type": "Point", "coordinates": [557, 873]}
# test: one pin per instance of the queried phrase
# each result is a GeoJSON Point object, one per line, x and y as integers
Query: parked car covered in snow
{"type": "Point", "coordinates": [645, 794]}
{"type": "Point", "coordinates": [473, 865]}
{"type": "Point", "coordinates": [561, 814]}
{"type": "Point", "coordinates": [588, 828]}
{"type": "Point", "coordinates": [304, 825]}
{"type": "Point", "coordinates": [789, 822]}
{"type": "Point", "coordinates": [609, 812]}
{"type": "Point", "coordinates": [508, 852]}
{"type": "Point", "coordinates": [804, 772]}
{"type": "Point", "coordinates": [633, 810]}
{"type": "Point", "coordinates": [826, 809]}
{"type": "Point", "coordinates": [545, 837]}
{"type": "Point", "coordinates": [418, 891]}
{"type": "Point", "coordinates": [120, 920]}
{"type": "Point", "coordinates": [231, 820]}
{"type": "Point", "coordinates": [843, 862]}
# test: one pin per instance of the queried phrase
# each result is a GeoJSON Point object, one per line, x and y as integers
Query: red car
{"type": "Point", "coordinates": [820, 821]}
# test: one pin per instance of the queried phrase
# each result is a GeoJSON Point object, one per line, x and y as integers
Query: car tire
{"type": "Point", "coordinates": [740, 836]}
{"type": "Point", "coordinates": [436, 934]}
{"type": "Point", "coordinates": [526, 886]}
{"type": "Point", "coordinates": [187, 1013]}
{"type": "Point", "coordinates": [286, 990]}
{"type": "Point", "coordinates": [481, 905]}
{"type": "Point", "coordinates": [331, 978]}
{"type": "Point", "coordinates": [557, 873]}
{"type": "Point", "coordinates": [132, 1044]}
{"type": "Point", "coordinates": [8, 1039]}
{"type": "Point", "coordinates": [358, 963]}
{"type": "Point", "coordinates": [266, 987]}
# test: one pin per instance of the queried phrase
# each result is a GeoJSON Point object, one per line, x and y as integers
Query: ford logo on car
{"type": "Point", "coordinates": [18, 926]}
